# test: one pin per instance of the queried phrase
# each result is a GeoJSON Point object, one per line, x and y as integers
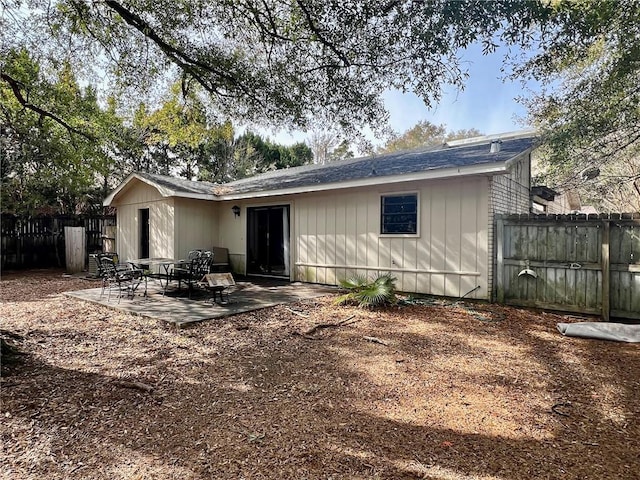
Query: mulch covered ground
{"type": "Point", "coordinates": [435, 391]}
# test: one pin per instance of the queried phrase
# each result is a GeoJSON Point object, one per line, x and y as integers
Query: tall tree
{"type": "Point", "coordinates": [304, 63]}
{"type": "Point", "coordinates": [47, 164]}
{"type": "Point", "coordinates": [294, 155]}
{"type": "Point", "coordinates": [424, 134]}
{"type": "Point", "coordinates": [231, 156]}
{"type": "Point", "coordinates": [589, 112]}
{"type": "Point", "coordinates": [291, 62]}
{"type": "Point", "coordinates": [177, 133]}
{"type": "Point", "coordinates": [462, 134]}
{"type": "Point", "coordinates": [342, 151]}
{"type": "Point", "coordinates": [322, 143]}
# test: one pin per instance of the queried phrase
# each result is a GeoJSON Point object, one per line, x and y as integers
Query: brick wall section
{"type": "Point", "coordinates": [508, 194]}
{"type": "Point", "coordinates": [511, 193]}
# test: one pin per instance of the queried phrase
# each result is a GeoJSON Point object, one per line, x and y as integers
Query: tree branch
{"type": "Point", "coordinates": [17, 93]}
{"type": "Point", "coordinates": [182, 59]}
{"type": "Point", "coordinates": [341, 55]}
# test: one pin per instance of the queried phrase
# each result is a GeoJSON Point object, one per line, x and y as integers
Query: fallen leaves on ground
{"type": "Point", "coordinates": [451, 391]}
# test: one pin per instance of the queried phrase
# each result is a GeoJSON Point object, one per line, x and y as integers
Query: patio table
{"type": "Point", "coordinates": [146, 263]}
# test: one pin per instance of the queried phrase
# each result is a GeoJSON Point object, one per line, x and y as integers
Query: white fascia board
{"type": "Point", "coordinates": [509, 163]}
{"type": "Point", "coordinates": [109, 198]}
{"type": "Point", "coordinates": [486, 169]}
{"type": "Point", "coordinates": [164, 191]}
{"type": "Point", "coordinates": [194, 196]}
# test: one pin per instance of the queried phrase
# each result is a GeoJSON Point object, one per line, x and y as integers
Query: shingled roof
{"type": "Point", "coordinates": [179, 185]}
{"type": "Point", "coordinates": [473, 156]}
{"type": "Point", "coordinates": [391, 164]}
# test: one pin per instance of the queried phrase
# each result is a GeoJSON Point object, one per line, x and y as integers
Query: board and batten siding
{"type": "Point", "coordinates": [232, 231]}
{"type": "Point", "coordinates": [138, 196]}
{"type": "Point", "coordinates": [337, 234]}
{"type": "Point", "coordinates": [196, 225]}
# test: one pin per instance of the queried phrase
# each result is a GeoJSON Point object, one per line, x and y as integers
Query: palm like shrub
{"type": "Point", "coordinates": [365, 293]}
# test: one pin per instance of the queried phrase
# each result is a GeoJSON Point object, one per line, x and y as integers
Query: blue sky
{"type": "Point", "coordinates": [487, 102]}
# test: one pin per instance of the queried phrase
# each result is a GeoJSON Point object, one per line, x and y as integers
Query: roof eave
{"type": "Point", "coordinates": [495, 168]}
{"type": "Point", "coordinates": [513, 160]}
{"type": "Point", "coordinates": [194, 196]}
{"type": "Point", "coordinates": [162, 190]}
{"type": "Point", "coordinates": [109, 198]}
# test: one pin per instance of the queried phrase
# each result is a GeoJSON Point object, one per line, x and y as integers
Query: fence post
{"type": "Point", "coordinates": [499, 274]}
{"type": "Point", "coordinates": [606, 271]}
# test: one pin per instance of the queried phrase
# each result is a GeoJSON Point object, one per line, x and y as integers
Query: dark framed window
{"type": "Point", "coordinates": [399, 213]}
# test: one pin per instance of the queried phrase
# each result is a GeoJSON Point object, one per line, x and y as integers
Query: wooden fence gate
{"type": "Point", "coordinates": [574, 263]}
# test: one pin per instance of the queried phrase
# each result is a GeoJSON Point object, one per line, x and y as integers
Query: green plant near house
{"type": "Point", "coordinates": [375, 293]}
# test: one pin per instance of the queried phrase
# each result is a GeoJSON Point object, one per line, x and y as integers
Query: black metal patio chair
{"type": "Point", "coordinates": [122, 277]}
{"type": "Point", "coordinates": [192, 272]}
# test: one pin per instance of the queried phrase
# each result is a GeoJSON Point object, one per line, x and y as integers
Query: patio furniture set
{"type": "Point", "coordinates": [188, 274]}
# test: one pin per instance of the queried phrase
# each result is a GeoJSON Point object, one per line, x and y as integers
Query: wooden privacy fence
{"type": "Point", "coordinates": [38, 242]}
{"type": "Point", "coordinates": [574, 263]}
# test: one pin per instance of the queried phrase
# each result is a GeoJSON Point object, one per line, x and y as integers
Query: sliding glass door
{"type": "Point", "coordinates": [268, 241]}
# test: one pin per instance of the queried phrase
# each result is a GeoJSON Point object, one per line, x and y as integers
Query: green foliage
{"type": "Point", "coordinates": [174, 138]}
{"type": "Point", "coordinates": [424, 134]}
{"type": "Point", "coordinates": [281, 63]}
{"type": "Point", "coordinates": [300, 154]}
{"type": "Point", "coordinates": [370, 294]}
{"type": "Point", "coordinates": [304, 64]}
{"type": "Point", "coordinates": [48, 166]}
{"type": "Point", "coordinates": [589, 113]}
{"type": "Point", "coordinates": [64, 156]}
{"type": "Point", "coordinates": [341, 152]}
{"type": "Point", "coordinates": [249, 154]}
{"type": "Point", "coordinates": [294, 156]}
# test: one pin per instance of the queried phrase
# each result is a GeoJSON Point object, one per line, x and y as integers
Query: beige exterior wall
{"type": "Point", "coordinates": [176, 225]}
{"type": "Point", "coordinates": [232, 234]}
{"type": "Point", "coordinates": [233, 230]}
{"type": "Point", "coordinates": [138, 196]}
{"type": "Point", "coordinates": [196, 225]}
{"type": "Point", "coordinates": [336, 234]}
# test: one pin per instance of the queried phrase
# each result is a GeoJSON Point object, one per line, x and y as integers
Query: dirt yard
{"type": "Point", "coordinates": [438, 391]}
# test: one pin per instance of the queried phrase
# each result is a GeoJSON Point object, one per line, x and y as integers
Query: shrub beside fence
{"type": "Point", "coordinates": [38, 242]}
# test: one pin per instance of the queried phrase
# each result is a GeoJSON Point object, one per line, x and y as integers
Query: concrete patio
{"type": "Point", "coordinates": [177, 309]}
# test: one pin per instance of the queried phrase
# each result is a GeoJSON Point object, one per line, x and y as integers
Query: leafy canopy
{"type": "Point", "coordinates": [277, 62]}
{"type": "Point", "coordinates": [310, 63]}
{"type": "Point", "coordinates": [424, 134]}
{"type": "Point", "coordinates": [50, 166]}
{"type": "Point", "coordinates": [46, 167]}
{"type": "Point", "coordinates": [589, 112]}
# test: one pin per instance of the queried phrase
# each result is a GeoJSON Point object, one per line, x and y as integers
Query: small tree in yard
{"type": "Point", "coordinates": [370, 294]}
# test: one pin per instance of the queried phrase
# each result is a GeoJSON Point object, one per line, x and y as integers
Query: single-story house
{"type": "Point", "coordinates": [425, 216]}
